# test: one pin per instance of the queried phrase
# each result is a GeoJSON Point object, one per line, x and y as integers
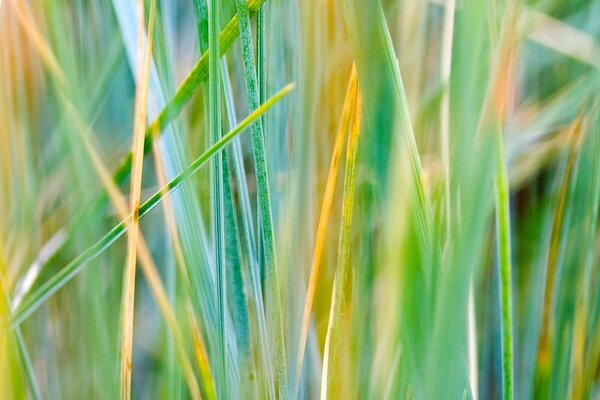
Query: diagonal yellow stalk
{"type": "Point", "coordinates": [324, 219]}
{"type": "Point", "coordinates": [330, 379]}
{"type": "Point", "coordinates": [139, 127]}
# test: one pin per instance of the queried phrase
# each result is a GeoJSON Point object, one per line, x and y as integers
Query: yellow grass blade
{"type": "Point", "coordinates": [324, 219]}
{"type": "Point", "coordinates": [139, 127]}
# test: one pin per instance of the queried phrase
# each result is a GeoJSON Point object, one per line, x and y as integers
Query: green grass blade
{"type": "Point", "coordinates": [188, 87]}
{"type": "Point", "coordinates": [505, 265]}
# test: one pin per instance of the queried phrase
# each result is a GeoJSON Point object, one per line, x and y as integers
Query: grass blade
{"type": "Point", "coordinates": [144, 52]}
{"type": "Point", "coordinates": [349, 104]}
{"type": "Point", "coordinates": [265, 220]}
{"type": "Point", "coordinates": [505, 265]}
{"type": "Point", "coordinates": [188, 87]}
{"type": "Point", "coordinates": [333, 342]}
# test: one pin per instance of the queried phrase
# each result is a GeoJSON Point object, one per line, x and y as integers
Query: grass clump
{"type": "Point", "coordinates": [453, 254]}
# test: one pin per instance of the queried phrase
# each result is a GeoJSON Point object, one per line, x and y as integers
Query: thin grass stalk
{"type": "Point", "coordinates": [333, 342]}
{"type": "Point", "coordinates": [254, 91]}
{"type": "Point", "coordinates": [144, 52]}
{"type": "Point", "coordinates": [217, 200]}
{"type": "Point", "coordinates": [210, 392]}
{"type": "Point", "coordinates": [236, 159]}
{"type": "Point", "coordinates": [348, 108]}
{"type": "Point", "coordinates": [28, 23]}
{"type": "Point", "coordinates": [503, 238]}
{"type": "Point", "coordinates": [33, 301]}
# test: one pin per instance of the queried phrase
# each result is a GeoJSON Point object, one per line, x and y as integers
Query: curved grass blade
{"type": "Point", "coordinates": [38, 297]}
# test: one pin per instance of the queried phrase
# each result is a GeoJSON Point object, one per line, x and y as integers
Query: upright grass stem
{"type": "Point", "coordinates": [144, 52]}
{"type": "Point", "coordinates": [504, 263]}
{"type": "Point", "coordinates": [349, 104]}
{"type": "Point", "coordinates": [265, 220]}
{"type": "Point", "coordinates": [217, 200]}
{"type": "Point", "coordinates": [331, 378]}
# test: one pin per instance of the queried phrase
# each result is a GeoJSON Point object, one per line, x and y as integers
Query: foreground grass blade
{"type": "Point", "coordinates": [144, 52]}
{"type": "Point", "coordinates": [234, 165]}
{"type": "Point", "coordinates": [504, 263]}
{"type": "Point", "coordinates": [331, 378]}
{"type": "Point", "coordinates": [32, 301]}
{"type": "Point", "coordinates": [188, 87]}
{"type": "Point", "coordinates": [148, 267]}
{"type": "Point", "coordinates": [349, 104]}
{"type": "Point", "coordinates": [544, 352]}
